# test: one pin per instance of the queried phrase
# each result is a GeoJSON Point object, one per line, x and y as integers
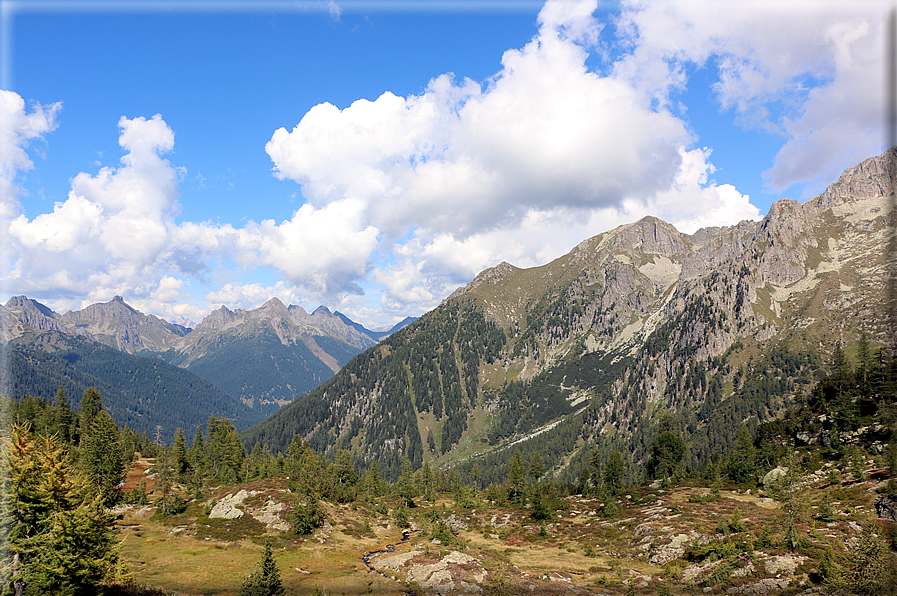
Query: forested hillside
{"type": "Point", "coordinates": [140, 392]}
{"type": "Point", "coordinates": [429, 370]}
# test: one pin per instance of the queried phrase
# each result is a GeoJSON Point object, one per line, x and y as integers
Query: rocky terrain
{"type": "Point", "coordinates": [676, 540]}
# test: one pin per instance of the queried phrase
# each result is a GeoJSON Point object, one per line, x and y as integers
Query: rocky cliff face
{"type": "Point", "coordinates": [791, 274]}
{"type": "Point", "coordinates": [119, 326]}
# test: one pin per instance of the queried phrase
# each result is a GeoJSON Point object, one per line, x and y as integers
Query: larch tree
{"type": "Point", "coordinates": [55, 528]}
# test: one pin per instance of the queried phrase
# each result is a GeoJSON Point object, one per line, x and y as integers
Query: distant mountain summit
{"type": "Point", "coordinates": [263, 358]}
{"type": "Point", "coordinates": [375, 334]}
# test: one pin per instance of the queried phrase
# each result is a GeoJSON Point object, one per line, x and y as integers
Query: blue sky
{"type": "Point", "coordinates": [373, 156]}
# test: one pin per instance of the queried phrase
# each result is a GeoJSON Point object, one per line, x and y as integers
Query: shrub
{"type": "Point", "coordinates": [307, 518]}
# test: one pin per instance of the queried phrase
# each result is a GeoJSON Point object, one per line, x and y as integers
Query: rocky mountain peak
{"type": "Point", "coordinates": [297, 311]}
{"type": "Point", "coordinates": [21, 312]}
{"type": "Point", "coordinates": [217, 319]}
{"type": "Point", "coordinates": [273, 305]}
{"type": "Point", "coordinates": [115, 309]}
{"type": "Point", "coordinates": [322, 311]}
{"type": "Point", "coordinates": [650, 235]}
{"type": "Point", "coordinates": [874, 177]}
{"type": "Point", "coordinates": [27, 305]}
{"type": "Point", "coordinates": [493, 275]}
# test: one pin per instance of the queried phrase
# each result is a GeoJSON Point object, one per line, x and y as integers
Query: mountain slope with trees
{"type": "Point", "coordinates": [716, 329]}
{"type": "Point", "coordinates": [141, 392]}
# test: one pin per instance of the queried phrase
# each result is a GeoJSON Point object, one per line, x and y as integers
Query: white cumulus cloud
{"type": "Point", "coordinates": [808, 70]}
{"type": "Point", "coordinates": [18, 127]}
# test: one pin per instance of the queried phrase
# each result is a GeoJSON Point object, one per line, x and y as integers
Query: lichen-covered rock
{"type": "Point", "coordinates": [227, 507]}
{"type": "Point", "coordinates": [773, 475]}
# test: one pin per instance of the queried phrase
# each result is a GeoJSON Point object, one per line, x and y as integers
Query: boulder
{"type": "Point", "coordinates": [773, 475]}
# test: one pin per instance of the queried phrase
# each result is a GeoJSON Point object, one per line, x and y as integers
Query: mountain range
{"type": "Point", "coordinates": [247, 363]}
{"type": "Point", "coordinates": [711, 330]}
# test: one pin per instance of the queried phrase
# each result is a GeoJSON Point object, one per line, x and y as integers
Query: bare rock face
{"type": "Point", "coordinates": [21, 313]}
{"type": "Point", "coordinates": [886, 508]}
{"type": "Point", "coordinates": [455, 573]}
{"type": "Point", "coordinates": [874, 177]}
{"type": "Point", "coordinates": [120, 326]}
{"type": "Point", "coordinates": [227, 508]}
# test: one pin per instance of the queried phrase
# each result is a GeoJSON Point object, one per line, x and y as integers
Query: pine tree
{"type": "Point", "coordinates": [517, 475]}
{"type": "Point", "coordinates": [198, 454]}
{"type": "Point", "coordinates": [536, 466]}
{"type": "Point", "coordinates": [63, 417]}
{"type": "Point", "coordinates": [265, 580]}
{"type": "Point", "coordinates": [614, 472]}
{"type": "Point", "coordinates": [405, 486]}
{"type": "Point", "coordinates": [666, 455]}
{"type": "Point", "coordinates": [91, 404]}
{"type": "Point", "coordinates": [180, 455]}
{"type": "Point", "coordinates": [345, 471]}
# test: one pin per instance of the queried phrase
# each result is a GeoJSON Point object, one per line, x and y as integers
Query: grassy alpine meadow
{"type": "Point", "coordinates": [686, 537]}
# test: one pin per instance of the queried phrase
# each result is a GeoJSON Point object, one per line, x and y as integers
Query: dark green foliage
{"type": "Point", "coordinates": [516, 476]}
{"type": "Point", "coordinates": [307, 516]}
{"type": "Point", "coordinates": [261, 368]}
{"type": "Point", "coordinates": [137, 391]}
{"type": "Point", "coordinates": [430, 366]}
{"type": "Point", "coordinates": [540, 510]}
{"type": "Point", "coordinates": [265, 580]}
{"type": "Point", "coordinates": [666, 455]}
{"type": "Point", "coordinates": [223, 450]}
{"type": "Point", "coordinates": [743, 458]}
{"type": "Point", "coordinates": [103, 460]}
{"type": "Point", "coordinates": [614, 472]}
{"type": "Point", "coordinates": [405, 487]}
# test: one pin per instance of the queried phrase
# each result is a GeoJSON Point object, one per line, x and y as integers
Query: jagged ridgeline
{"type": "Point", "coordinates": [710, 331]}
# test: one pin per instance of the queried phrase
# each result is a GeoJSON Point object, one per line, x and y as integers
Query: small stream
{"type": "Point", "coordinates": [390, 548]}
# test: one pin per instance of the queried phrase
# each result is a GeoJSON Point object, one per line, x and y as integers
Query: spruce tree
{"type": "Point", "coordinates": [180, 454]}
{"type": "Point", "coordinates": [63, 417]}
{"type": "Point", "coordinates": [615, 472]}
{"type": "Point", "coordinates": [536, 466]}
{"type": "Point", "coordinates": [91, 404]}
{"type": "Point", "coordinates": [265, 580]}
{"type": "Point", "coordinates": [405, 486]}
{"type": "Point", "coordinates": [517, 475]}
{"type": "Point", "coordinates": [743, 458]}
{"type": "Point", "coordinates": [103, 462]}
